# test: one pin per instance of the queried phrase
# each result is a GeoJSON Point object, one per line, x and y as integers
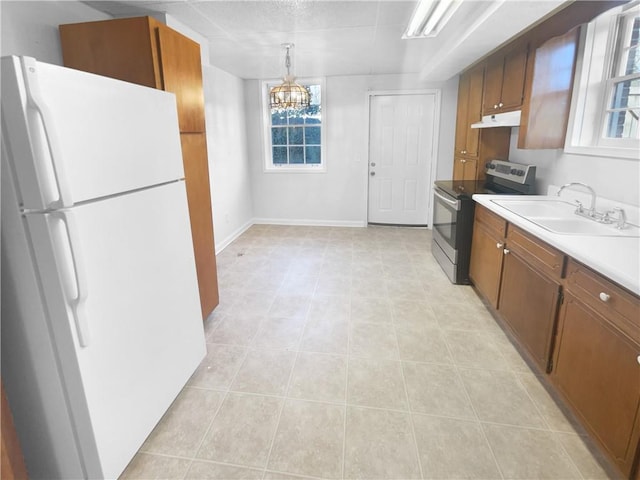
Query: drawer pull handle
{"type": "Point", "coordinates": [506, 251]}
{"type": "Point", "coordinates": [604, 296]}
{"type": "Point", "coordinates": [499, 245]}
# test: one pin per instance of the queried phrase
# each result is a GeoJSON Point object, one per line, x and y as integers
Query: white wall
{"type": "Point", "coordinates": [31, 28]}
{"type": "Point", "coordinates": [228, 159]}
{"type": "Point", "coordinates": [339, 196]}
{"type": "Point", "coordinates": [613, 178]}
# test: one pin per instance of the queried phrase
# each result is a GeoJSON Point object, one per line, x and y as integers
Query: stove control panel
{"type": "Point", "coordinates": [515, 172]}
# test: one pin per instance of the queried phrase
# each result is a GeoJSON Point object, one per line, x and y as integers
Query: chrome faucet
{"type": "Point", "coordinates": [592, 208]}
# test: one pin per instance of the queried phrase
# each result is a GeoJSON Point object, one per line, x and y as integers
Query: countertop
{"type": "Point", "coordinates": [617, 258]}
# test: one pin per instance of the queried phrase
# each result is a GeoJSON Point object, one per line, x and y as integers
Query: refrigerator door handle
{"type": "Point", "coordinates": [79, 278]}
{"type": "Point", "coordinates": [34, 101]}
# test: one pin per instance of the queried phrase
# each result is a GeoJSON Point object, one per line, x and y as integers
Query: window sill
{"type": "Point", "coordinates": [624, 153]}
{"type": "Point", "coordinates": [293, 169]}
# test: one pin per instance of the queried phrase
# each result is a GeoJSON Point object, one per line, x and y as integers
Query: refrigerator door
{"type": "Point", "coordinates": [75, 136]}
{"type": "Point", "coordinates": [119, 283]}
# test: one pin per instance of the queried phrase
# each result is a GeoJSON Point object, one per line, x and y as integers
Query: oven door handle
{"type": "Point", "coordinates": [454, 203]}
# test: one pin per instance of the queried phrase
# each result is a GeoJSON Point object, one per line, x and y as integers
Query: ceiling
{"type": "Point", "coordinates": [340, 37]}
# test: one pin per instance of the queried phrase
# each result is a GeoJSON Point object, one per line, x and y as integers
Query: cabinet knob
{"type": "Point", "coordinates": [501, 104]}
{"type": "Point", "coordinates": [638, 358]}
{"type": "Point", "coordinates": [499, 245]}
{"type": "Point", "coordinates": [506, 251]}
{"type": "Point", "coordinates": [462, 160]}
{"type": "Point", "coordinates": [604, 296]}
{"type": "Point", "coordinates": [464, 151]}
{"type": "Point", "coordinates": [495, 106]}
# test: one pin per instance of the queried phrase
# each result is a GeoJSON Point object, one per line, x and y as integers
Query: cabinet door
{"type": "Point", "coordinates": [493, 85]}
{"type": "Point", "coordinates": [545, 114]}
{"type": "Point", "coordinates": [474, 111]}
{"type": "Point", "coordinates": [596, 368]}
{"type": "Point", "coordinates": [461, 118]}
{"type": "Point", "coordinates": [485, 267]}
{"type": "Point", "coordinates": [529, 304]}
{"type": "Point", "coordinates": [123, 48]}
{"type": "Point", "coordinates": [196, 172]}
{"type": "Point", "coordinates": [182, 74]}
{"type": "Point", "coordinates": [464, 169]}
{"type": "Point", "coordinates": [515, 68]}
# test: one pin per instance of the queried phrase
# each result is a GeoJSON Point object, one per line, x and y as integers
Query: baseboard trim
{"type": "Point", "coordinates": [308, 223]}
{"type": "Point", "coordinates": [230, 238]}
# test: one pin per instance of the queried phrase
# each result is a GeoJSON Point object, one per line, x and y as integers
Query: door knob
{"type": "Point", "coordinates": [373, 164]}
{"type": "Point", "coordinates": [373, 174]}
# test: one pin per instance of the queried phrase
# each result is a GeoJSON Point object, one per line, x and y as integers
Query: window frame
{"type": "Point", "coordinates": [268, 165]}
{"type": "Point", "coordinates": [593, 90]}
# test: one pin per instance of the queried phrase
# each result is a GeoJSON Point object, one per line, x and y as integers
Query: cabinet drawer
{"type": "Point", "coordinates": [490, 220]}
{"type": "Point", "coordinates": [537, 253]}
{"type": "Point", "coordinates": [618, 306]}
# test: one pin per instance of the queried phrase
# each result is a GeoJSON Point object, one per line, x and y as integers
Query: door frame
{"type": "Point", "coordinates": [437, 92]}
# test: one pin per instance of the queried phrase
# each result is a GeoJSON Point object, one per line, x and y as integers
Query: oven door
{"type": "Point", "coordinates": [446, 214]}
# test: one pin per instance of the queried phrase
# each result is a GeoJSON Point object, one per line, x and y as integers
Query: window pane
{"type": "Point", "coordinates": [623, 124]}
{"type": "Point", "coordinates": [313, 155]}
{"type": "Point", "coordinates": [626, 94]}
{"type": "Point", "coordinates": [278, 117]}
{"type": "Point", "coordinates": [296, 117]}
{"type": "Point", "coordinates": [295, 135]}
{"type": "Point", "coordinates": [296, 154]}
{"type": "Point", "coordinates": [278, 136]}
{"type": "Point", "coordinates": [312, 136]}
{"type": "Point", "coordinates": [279, 155]}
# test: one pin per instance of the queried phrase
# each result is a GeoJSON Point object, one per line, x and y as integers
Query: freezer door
{"type": "Point", "coordinates": [119, 282]}
{"type": "Point", "coordinates": [74, 136]}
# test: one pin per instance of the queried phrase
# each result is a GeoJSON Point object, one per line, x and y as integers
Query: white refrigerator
{"type": "Point", "coordinates": [101, 321]}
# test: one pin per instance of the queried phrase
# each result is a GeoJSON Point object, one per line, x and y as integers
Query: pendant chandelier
{"type": "Point", "coordinates": [289, 95]}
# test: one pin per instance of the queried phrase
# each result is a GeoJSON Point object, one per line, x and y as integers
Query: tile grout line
{"type": "Point", "coordinates": [346, 393]}
{"type": "Point", "coordinates": [410, 410]}
{"type": "Point", "coordinates": [466, 392]}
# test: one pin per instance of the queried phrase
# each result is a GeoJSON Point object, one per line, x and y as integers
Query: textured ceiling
{"type": "Point", "coordinates": [350, 37]}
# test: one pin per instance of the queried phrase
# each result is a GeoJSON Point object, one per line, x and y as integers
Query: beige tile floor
{"type": "Point", "coordinates": [346, 353]}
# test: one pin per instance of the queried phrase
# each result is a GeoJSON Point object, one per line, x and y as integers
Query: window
{"type": "Point", "coordinates": [294, 138]}
{"type": "Point", "coordinates": [624, 84]}
{"type": "Point", "coordinates": [606, 104]}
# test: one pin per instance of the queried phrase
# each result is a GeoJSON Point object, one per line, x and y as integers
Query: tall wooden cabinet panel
{"type": "Point", "coordinates": [182, 74]}
{"type": "Point", "coordinates": [469, 111]}
{"type": "Point", "coordinates": [196, 172]}
{"type": "Point", "coordinates": [144, 51]}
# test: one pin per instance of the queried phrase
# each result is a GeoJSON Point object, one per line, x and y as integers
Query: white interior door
{"type": "Point", "coordinates": [401, 134]}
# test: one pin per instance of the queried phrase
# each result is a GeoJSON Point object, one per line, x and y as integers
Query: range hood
{"type": "Point", "coordinates": [508, 119]}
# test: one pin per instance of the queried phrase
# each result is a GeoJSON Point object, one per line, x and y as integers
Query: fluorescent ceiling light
{"type": "Point", "coordinates": [429, 17]}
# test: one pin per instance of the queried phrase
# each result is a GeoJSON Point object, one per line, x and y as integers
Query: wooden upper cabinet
{"type": "Point", "coordinates": [504, 81]}
{"type": "Point", "coordinates": [545, 113]}
{"type": "Point", "coordinates": [469, 111]}
{"type": "Point", "coordinates": [144, 51]}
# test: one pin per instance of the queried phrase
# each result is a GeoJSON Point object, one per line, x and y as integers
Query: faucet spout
{"type": "Point", "coordinates": [592, 208]}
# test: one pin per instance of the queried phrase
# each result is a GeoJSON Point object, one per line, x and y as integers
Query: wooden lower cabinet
{"type": "Point", "coordinates": [529, 305]}
{"type": "Point", "coordinates": [596, 370]}
{"type": "Point", "coordinates": [196, 171]}
{"type": "Point", "coordinates": [485, 268]}
{"type": "Point", "coordinates": [573, 323]}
